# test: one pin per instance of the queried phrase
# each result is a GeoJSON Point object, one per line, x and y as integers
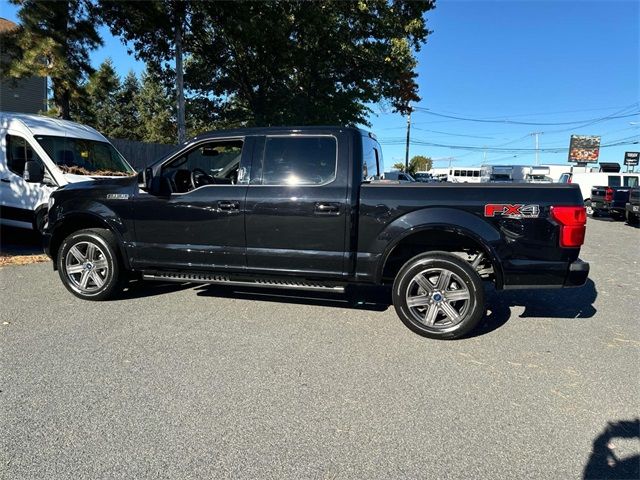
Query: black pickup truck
{"type": "Point", "coordinates": [609, 200]}
{"type": "Point", "coordinates": [307, 208]}
{"type": "Point", "coordinates": [632, 208]}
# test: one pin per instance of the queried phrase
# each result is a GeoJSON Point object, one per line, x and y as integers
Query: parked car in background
{"type": "Point", "coordinates": [400, 176]}
{"type": "Point", "coordinates": [609, 200]}
{"type": "Point", "coordinates": [40, 154]}
{"type": "Point", "coordinates": [588, 180]}
{"type": "Point", "coordinates": [632, 208]}
{"type": "Point", "coordinates": [424, 177]}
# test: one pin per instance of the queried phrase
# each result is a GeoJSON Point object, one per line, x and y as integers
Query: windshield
{"type": "Point", "coordinates": [84, 157]}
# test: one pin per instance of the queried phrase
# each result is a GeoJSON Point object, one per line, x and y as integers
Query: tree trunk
{"type": "Point", "coordinates": [182, 130]}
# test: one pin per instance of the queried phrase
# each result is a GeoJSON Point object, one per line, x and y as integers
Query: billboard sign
{"type": "Point", "coordinates": [584, 148]}
{"type": "Point", "coordinates": [631, 158]}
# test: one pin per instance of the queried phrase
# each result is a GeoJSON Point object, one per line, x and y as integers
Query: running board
{"type": "Point", "coordinates": [226, 280]}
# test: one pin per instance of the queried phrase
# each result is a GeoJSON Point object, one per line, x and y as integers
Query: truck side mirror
{"type": "Point", "coordinates": [33, 172]}
{"type": "Point", "coordinates": [160, 187]}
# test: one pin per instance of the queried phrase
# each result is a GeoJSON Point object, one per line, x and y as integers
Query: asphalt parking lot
{"type": "Point", "coordinates": [181, 381]}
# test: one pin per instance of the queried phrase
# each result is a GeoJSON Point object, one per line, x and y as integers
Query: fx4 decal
{"type": "Point", "coordinates": [509, 210]}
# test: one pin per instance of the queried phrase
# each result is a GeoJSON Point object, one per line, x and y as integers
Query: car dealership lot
{"type": "Point", "coordinates": [183, 381]}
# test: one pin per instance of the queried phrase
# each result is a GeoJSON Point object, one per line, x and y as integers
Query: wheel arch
{"type": "Point", "coordinates": [74, 222]}
{"type": "Point", "coordinates": [443, 229]}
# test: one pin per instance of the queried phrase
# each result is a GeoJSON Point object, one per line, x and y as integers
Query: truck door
{"type": "Point", "coordinates": [296, 206]}
{"type": "Point", "coordinates": [200, 225]}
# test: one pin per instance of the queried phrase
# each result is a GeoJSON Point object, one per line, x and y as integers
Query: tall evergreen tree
{"type": "Point", "coordinates": [99, 106]}
{"type": "Point", "coordinates": [127, 113]}
{"type": "Point", "coordinates": [159, 32]}
{"type": "Point", "coordinates": [156, 111]}
{"type": "Point", "coordinates": [54, 41]}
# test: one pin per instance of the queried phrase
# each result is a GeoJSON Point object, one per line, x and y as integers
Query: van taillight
{"type": "Point", "coordinates": [572, 222]}
{"type": "Point", "coordinates": [608, 195]}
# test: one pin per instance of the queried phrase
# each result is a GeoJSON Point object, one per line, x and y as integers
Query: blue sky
{"type": "Point", "coordinates": [528, 61]}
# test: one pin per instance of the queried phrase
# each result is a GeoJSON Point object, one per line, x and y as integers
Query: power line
{"type": "Point", "coordinates": [515, 122]}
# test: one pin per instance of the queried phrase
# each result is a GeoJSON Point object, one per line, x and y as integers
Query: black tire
{"type": "Point", "coordinates": [632, 218]}
{"type": "Point", "coordinates": [463, 280]}
{"type": "Point", "coordinates": [616, 215]}
{"type": "Point", "coordinates": [102, 271]}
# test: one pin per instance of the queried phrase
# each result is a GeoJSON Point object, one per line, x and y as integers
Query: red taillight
{"type": "Point", "coordinates": [572, 222]}
{"type": "Point", "coordinates": [608, 195]}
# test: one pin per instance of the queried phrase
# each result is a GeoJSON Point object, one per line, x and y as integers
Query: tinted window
{"type": "Point", "coordinates": [299, 160]}
{"type": "Point", "coordinates": [371, 159]}
{"type": "Point", "coordinates": [457, 173]}
{"type": "Point", "coordinates": [18, 152]}
{"type": "Point", "coordinates": [630, 181]}
{"type": "Point", "coordinates": [476, 173]}
{"type": "Point", "coordinates": [614, 181]}
{"type": "Point", "coordinates": [214, 158]}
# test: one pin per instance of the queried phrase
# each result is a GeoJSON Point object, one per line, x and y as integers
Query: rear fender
{"type": "Point", "coordinates": [439, 219]}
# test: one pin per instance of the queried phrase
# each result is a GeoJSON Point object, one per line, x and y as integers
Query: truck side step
{"type": "Point", "coordinates": [221, 279]}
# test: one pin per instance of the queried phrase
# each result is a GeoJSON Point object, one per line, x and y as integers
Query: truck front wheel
{"type": "Point", "coordinates": [439, 295]}
{"type": "Point", "coordinates": [88, 264]}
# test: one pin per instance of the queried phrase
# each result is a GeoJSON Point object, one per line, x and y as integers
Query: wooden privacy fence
{"type": "Point", "coordinates": [141, 154]}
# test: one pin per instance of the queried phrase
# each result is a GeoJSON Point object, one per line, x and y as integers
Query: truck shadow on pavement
{"type": "Point", "coordinates": [568, 303]}
{"type": "Point", "coordinates": [563, 303]}
{"type": "Point", "coordinates": [603, 462]}
{"type": "Point", "coordinates": [376, 299]}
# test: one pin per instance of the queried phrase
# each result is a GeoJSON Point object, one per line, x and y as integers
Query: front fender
{"type": "Point", "coordinates": [441, 219]}
{"type": "Point", "coordinates": [78, 214]}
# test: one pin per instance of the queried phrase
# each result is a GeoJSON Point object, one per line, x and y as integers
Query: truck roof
{"type": "Point", "coordinates": [41, 125]}
{"type": "Point", "coordinates": [280, 129]}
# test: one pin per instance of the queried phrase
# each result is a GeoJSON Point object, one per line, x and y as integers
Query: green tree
{"type": "Point", "coordinates": [98, 107]}
{"type": "Point", "coordinates": [54, 40]}
{"type": "Point", "coordinates": [420, 163]}
{"type": "Point", "coordinates": [398, 166]}
{"type": "Point", "coordinates": [299, 62]}
{"type": "Point", "coordinates": [127, 114]}
{"type": "Point", "coordinates": [155, 110]}
{"type": "Point", "coordinates": [158, 32]}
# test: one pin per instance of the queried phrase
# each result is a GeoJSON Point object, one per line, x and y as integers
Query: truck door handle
{"type": "Point", "coordinates": [5, 180]}
{"type": "Point", "coordinates": [327, 208]}
{"type": "Point", "coordinates": [228, 206]}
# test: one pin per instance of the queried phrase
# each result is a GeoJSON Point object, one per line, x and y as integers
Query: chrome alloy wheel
{"type": "Point", "coordinates": [438, 298]}
{"type": "Point", "coordinates": [86, 267]}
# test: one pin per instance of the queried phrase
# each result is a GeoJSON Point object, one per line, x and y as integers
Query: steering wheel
{"type": "Point", "coordinates": [199, 178]}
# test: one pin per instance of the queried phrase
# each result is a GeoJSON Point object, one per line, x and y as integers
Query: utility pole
{"type": "Point", "coordinates": [406, 153]}
{"type": "Point", "coordinates": [536, 134]}
{"type": "Point", "coordinates": [179, 76]}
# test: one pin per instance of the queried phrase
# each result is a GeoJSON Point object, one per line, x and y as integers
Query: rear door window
{"type": "Point", "coordinates": [304, 160]}
{"type": "Point", "coordinates": [614, 181]}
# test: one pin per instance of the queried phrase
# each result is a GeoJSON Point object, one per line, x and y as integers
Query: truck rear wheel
{"type": "Point", "coordinates": [88, 264]}
{"type": "Point", "coordinates": [439, 295]}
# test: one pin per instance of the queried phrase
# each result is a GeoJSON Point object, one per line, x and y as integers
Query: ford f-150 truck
{"type": "Point", "coordinates": [611, 200]}
{"type": "Point", "coordinates": [306, 208]}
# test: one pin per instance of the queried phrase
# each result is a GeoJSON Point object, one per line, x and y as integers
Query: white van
{"type": "Point", "coordinates": [39, 154]}
{"type": "Point", "coordinates": [588, 180]}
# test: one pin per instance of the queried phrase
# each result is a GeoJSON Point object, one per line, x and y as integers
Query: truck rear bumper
{"type": "Point", "coordinates": [520, 274]}
{"type": "Point", "coordinates": [577, 275]}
